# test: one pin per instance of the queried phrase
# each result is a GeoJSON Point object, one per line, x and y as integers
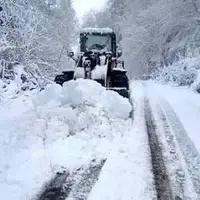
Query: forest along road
{"type": "Point", "coordinates": [175, 159]}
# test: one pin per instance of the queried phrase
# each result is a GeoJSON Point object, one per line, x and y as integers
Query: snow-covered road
{"type": "Point", "coordinates": [180, 170]}
{"type": "Point", "coordinates": [161, 153]}
{"type": "Point", "coordinates": [157, 156]}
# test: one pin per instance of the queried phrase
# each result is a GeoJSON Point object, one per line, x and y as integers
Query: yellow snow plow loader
{"type": "Point", "coordinates": [98, 60]}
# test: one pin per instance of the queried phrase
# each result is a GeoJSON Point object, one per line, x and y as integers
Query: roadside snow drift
{"type": "Point", "coordinates": [58, 128]}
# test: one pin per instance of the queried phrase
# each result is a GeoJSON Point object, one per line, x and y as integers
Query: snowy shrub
{"type": "Point", "coordinates": [14, 79]}
{"type": "Point", "coordinates": [178, 75]}
{"type": "Point", "coordinates": [182, 73]}
{"type": "Point", "coordinates": [196, 85]}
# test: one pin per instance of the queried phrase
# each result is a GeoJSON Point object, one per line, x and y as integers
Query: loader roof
{"type": "Point", "coordinates": [97, 30]}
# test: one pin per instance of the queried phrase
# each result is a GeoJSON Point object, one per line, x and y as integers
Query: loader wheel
{"type": "Point", "coordinates": [123, 92]}
{"type": "Point", "coordinates": [120, 80]}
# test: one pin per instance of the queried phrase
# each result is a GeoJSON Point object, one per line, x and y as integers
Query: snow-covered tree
{"type": "Point", "coordinates": [160, 34]}
{"type": "Point", "coordinates": [36, 33]}
{"type": "Point", "coordinates": [156, 32]}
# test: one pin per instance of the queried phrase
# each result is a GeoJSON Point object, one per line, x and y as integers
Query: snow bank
{"type": "Point", "coordinates": [84, 92]}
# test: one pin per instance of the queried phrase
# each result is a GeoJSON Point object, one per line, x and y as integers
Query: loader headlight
{"type": "Point", "coordinates": [87, 62]}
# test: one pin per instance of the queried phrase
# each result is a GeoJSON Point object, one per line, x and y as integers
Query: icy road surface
{"type": "Point", "coordinates": [84, 132]}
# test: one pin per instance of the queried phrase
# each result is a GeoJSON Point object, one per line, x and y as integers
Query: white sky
{"type": "Point", "coordinates": [82, 6]}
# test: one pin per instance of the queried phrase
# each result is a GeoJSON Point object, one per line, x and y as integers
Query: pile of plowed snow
{"type": "Point", "coordinates": [84, 92]}
{"type": "Point", "coordinates": [60, 127]}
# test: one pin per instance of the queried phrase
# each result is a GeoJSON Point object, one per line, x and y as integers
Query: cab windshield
{"type": "Point", "coordinates": [101, 43]}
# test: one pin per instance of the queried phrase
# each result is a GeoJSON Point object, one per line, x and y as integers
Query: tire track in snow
{"type": "Point", "coordinates": [179, 177]}
{"type": "Point", "coordinates": [58, 188]}
{"type": "Point", "coordinates": [76, 185]}
{"type": "Point", "coordinates": [85, 181]}
{"type": "Point", "coordinates": [188, 149]}
{"type": "Point", "coordinates": [161, 177]}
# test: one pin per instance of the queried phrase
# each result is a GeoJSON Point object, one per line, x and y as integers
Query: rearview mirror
{"type": "Point", "coordinates": [71, 54]}
{"type": "Point", "coordinates": [119, 53]}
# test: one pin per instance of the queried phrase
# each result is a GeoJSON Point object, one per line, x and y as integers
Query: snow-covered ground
{"type": "Point", "coordinates": [65, 128]}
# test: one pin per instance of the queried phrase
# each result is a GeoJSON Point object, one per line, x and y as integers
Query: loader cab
{"type": "Point", "coordinates": [101, 41]}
